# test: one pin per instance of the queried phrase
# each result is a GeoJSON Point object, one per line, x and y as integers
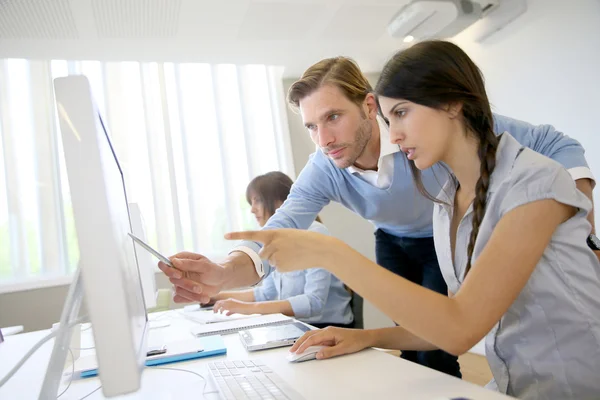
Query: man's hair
{"type": "Point", "coordinates": [342, 72]}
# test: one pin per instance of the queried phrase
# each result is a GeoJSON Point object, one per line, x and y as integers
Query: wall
{"type": "Point", "coordinates": [35, 309]}
{"type": "Point", "coordinates": [39, 308]}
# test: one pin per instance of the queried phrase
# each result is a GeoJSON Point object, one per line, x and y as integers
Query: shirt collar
{"type": "Point", "coordinates": [386, 146]}
{"type": "Point", "coordinates": [506, 154]}
{"type": "Point", "coordinates": [446, 195]}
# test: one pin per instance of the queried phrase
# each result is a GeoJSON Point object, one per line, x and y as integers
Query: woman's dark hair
{"type": "Point", "coordinates": [270, 188]}
{"type": "Point", "coordinates": [437, 74]}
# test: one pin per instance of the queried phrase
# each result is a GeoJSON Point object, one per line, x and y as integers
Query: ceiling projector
{"type": "Point", "coordinates": [423, 19]}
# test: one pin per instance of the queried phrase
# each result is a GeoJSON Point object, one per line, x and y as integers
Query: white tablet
{"type": "Point", "coordinates": [269, 337]}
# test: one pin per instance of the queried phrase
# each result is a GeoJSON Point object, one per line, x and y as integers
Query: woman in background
{"type": "Point", "coordinates": [314, 295]}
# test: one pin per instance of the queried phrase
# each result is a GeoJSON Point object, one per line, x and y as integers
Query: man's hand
{"type": "Point", "coordinates": [233, 306]}
{"type": "Point", "coordinates": [340, 341]}
{"type": "Point", "coordinates": [195, 277]}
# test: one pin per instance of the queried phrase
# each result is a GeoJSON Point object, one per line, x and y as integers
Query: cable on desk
{"type": "Point", "coordinates": [34, 349]}
{"type": "Point", "coordinates": [85, 348]}
{"type": "Point", "coordinates": [72, 373]}
{"type": "Point", "coordinates": [165, 314]}
{"type": "Point", "coordinates": [91, 393]}
{"type": "Point", "coordinates": [72, 377]}
{"type": "Point", "coordinates": [165, 368]}
{"type": "Point", "coordinates": [191, 372]}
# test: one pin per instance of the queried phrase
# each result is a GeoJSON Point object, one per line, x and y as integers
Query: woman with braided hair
{"type": "Point", "coordinates": [510, 235]}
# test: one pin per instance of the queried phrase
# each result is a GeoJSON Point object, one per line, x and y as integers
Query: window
{"type": "Point", "coordinates": [189, 137]}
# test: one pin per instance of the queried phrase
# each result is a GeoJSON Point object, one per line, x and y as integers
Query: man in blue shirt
{"type": "Point", "coordinates": [358, 167]}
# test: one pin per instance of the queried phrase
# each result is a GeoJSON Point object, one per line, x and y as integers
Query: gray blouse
{"type": "Point", "coordinates": [547, 344]}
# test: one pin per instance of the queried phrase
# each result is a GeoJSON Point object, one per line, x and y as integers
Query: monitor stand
{"type": "Point", "coordinates": [62, 341]}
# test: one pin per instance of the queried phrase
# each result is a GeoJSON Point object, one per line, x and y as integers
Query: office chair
{"type": "Point", "coordinates": [356, 305]}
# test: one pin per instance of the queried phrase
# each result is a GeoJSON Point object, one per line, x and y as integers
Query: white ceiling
{"type": "Point", "coordinates": [292, 33]}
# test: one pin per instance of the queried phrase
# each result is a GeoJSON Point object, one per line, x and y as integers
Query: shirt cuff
{"type": "Point", "coordinates": [251, 249]}
{"type": "Point", "coordinates": [582, 173]}
{"type": "Point", "coordinates": [255, 259]}
{"type": "Point", "coordinates": [300, 306]}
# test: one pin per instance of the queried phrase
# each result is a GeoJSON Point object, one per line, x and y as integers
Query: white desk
{"type": "Point", "coordinates": [368, 374]}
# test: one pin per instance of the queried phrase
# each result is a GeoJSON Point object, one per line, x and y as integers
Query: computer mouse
{"type": "Point", "coordinates": [309, 354]}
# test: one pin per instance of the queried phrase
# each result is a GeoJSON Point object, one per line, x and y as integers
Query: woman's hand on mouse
{"type": "Point", "coordinates": [339, 341]}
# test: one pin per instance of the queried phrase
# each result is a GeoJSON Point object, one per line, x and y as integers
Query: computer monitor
{"type": "Point", "coordinates": [108, 264]}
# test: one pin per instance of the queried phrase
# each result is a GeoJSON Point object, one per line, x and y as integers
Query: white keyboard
{"type": "Point", "coordinates": [249, 379]}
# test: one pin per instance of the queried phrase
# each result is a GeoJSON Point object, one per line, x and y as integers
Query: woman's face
{"type": "Point", "coordinates": [257, 208]}
{"type": "Point", "coordinates": [423, 133]}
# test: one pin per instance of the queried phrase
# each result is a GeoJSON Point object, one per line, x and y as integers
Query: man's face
{"type": "Point", "coordinates": [338, 126]}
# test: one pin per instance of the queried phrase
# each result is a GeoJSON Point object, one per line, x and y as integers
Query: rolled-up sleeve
{"type": "Point", "coordinates": [541, 183]}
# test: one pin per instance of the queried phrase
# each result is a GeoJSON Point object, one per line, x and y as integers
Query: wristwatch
{"type": "Point", "coordinates": [593, 242]}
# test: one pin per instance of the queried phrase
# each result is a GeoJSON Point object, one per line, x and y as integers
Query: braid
{"type": "Point", "coordinates": [487, 155]}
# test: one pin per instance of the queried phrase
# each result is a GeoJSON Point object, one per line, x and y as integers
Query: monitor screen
{"type": "Point", "coordinates": [117, 200]}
